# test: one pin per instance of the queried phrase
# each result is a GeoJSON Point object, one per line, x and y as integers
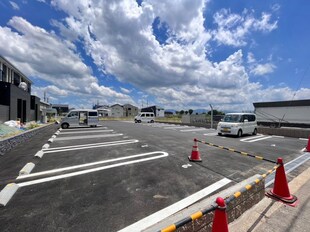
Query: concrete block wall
{"type": "Point", "coordinates": [288, 132]}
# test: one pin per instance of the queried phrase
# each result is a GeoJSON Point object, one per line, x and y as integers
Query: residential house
{"type": "Point", "coordinates": [16, 101]}
{"type": "Point", "coordinates": [130, 110]}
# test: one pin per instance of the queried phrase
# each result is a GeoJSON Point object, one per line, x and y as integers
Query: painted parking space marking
{"type": "Point", "coordinates": [176, 127]}
{"type": "Point", "coordinates": [83, 132]}
{"type": "Point", "coordinates": [89, 146]}
{"type": "Point", "coordinates": [99, 127]}
{"type": "Point", "coordinates": [63, 176]}
{"type": "Point", "coordinates": [255, 138]}
{"type": "Point", "coordinates": [84, 165]}
{"type": "Point", "coordinates": [190, 130]}
{"type": "Point", "coordinates": [303, 139]}
{"type": "Point", "coordinates": [210, 134]}
{"type": "Point", "coordinates": [174, 208]}
{"type": "Point", "coordinates": [87, 137]}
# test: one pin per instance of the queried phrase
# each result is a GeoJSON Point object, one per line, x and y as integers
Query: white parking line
{"type": "Point", "coordinates": [81, 147]}
{"type": "Point", "coordinates": [175, 127]}
{"type": "Point", "coordinates": [87, 137]}
{"type": "Point", "coordinates": [48, 179]}
{"type": "Point", "coordinates": [197, 129]}
{"type": "Point", "coordinates": [210, 134]}
{"type": "Point", "coordinates": [250, 138]}
{"type": "Point", "coordinates": [83, 132]}
{"type": "Point", "coordinates": [303, 139]}
{"type": "Point", "coordinates": [99, 127]}
{"type": "Point", "coordinates": [251, 141]}
{"type": "Point", "coordinates": [172, 209]}
{"type": "Point", "coordinates": [83, 165]}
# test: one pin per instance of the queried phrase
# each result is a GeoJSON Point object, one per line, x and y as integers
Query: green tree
{"type": "Point", "coordinates": [190, 111]}
{"type": "Point", "coordinates": [186, 112]}
{"type": "Point", "coordinates": [216, 112]}
{"type": "Point", "coordinates": [182, 112]}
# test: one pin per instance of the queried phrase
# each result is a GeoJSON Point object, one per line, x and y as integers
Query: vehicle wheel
{"type": "Point", "coordinates": [65, 126]}
{"type": "Point", "coordinates": [152, 121]}
{"type": "Point", "coordinates": [239, 133]}
{"type": "Point", "coordinates": [219, 134]}
{"type": "Point", "coordinates": [136, 121]}
{"type": "Point", "coordinates": [255, 132]}
{"type": "Point", "coordinates": [139, 121]}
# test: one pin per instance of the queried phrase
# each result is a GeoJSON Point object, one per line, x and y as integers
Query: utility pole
{"type": "Point", "coordinates": [211, 116]}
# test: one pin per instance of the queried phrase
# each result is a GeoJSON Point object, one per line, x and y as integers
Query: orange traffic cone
{"type": "Point", "coordinates": [308, 145]}
{"type": "Point", "coordinates": [195, 156]}
{"type": "Point", "coordinates": [220, 218]}
{"type": "Point", "coordinates": [280, 189]}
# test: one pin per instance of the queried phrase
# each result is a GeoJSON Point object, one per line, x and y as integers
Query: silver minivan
{"type": "Point", "coordinates": [80, 118]}
{"type": "Point", "coordinates": [238, 124]}
{"type": "Point", "coordinates": [145, 117]}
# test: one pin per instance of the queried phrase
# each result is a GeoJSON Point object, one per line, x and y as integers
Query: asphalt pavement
{"type": "Point", "coordinates": [109, 177]}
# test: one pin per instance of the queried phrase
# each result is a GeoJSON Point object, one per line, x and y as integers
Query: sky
{"type": "Point", "coordinates": [177, 54]}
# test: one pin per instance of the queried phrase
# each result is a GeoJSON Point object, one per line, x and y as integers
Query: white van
{"type": "Point", "coordinates": [80, 118]}
{"type": "Point", "coordinates": [238, 124]}
{"type": "Point", "coordinates": [145, 117]}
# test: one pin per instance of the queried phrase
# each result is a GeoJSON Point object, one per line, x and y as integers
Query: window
{"type": "Point", "coordinates": [142, 115]}
{"type": "Point", "coordinates": [92, 114]}
{"type": "Point", "coordinates": [3, 74]}
{"type": "Point", "coordinates": [73, 114]}
{"type": "Point", "coordinates": [147, 115]}
{"type": "Point", "coordinates": [16, 79]}
{"type": "Point", "coordinates": [251, 118]}
{"type": "Point", "coordinates": [129, 108]}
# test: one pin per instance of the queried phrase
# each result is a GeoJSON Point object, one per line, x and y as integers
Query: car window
{"type": "Point", "coordinates": [92, 114]}
{"type": "Point", "coordinates": [73, 114]}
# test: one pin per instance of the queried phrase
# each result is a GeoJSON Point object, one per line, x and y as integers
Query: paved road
{"type": "Point", "coordinates": [108, 177]}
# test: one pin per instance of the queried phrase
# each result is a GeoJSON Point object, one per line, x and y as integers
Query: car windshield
{"type": "Point", "coordinates": [232, 118]}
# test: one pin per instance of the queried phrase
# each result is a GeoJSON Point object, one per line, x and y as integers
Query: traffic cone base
{"type": "Point", "coordinates": [291, 201]}
{"type": "Point", "coordinates": [280, 189]}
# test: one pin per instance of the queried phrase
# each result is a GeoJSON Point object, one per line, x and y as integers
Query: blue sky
{"type": "Point", "coordinates": [178, 54]}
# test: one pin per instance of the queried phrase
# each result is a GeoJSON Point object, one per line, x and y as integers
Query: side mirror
{"type": "Point", "coordinates": [245, 120]}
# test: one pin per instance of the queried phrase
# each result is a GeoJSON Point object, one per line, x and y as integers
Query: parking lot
{"type": "Point", "coordinates": [106, 178]}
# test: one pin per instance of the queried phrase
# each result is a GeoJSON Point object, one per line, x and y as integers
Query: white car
{"type": "Point", "coordinates": [145, 117]}
{"type": "Point", "coordinates": [80, 118]}
{"type": "Point", "coordinates": [238, 124]}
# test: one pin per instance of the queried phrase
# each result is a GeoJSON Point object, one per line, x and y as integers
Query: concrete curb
{"type": "Point", "coordinates": [26, 169]}
{"type": "Point", "coordinates": [39, 154]}
{"type": "Point", "coordinates": [7, 193]}
{"type": "Point", "coordinates": [45, 146]}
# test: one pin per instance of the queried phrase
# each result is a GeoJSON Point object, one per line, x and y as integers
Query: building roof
{"type": "Point", "coordinates": [116, 105]}
{"type": "Point", "coordinates": [305, 102]}
{"type": "Point", "coordinates": [16, 69]}
{"type": "Point", "coordinates": [60, 105]}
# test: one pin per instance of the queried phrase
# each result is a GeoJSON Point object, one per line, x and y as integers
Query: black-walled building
{"type": "Point", "coordinates": [16, 101]}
